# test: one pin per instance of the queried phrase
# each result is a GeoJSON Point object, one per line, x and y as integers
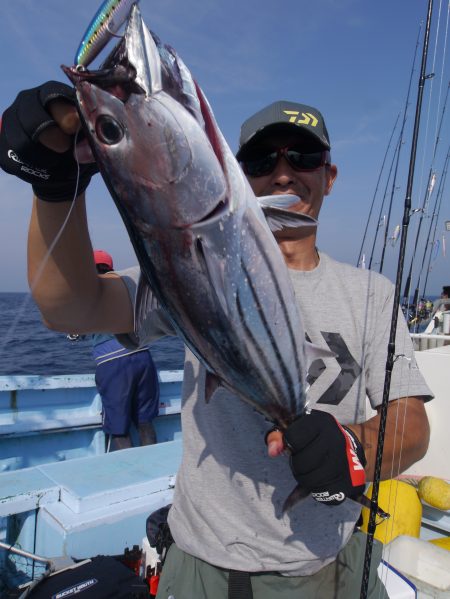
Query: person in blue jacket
{"type": "Point", "coordinates": [127, 382]}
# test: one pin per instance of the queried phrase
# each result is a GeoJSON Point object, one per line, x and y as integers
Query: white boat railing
{"type": "Point", "coordinates": [424, 341]}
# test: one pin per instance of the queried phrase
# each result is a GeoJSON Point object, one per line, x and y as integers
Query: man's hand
{"type": "Point", "coordinates": [36, 142]}
{"type": "Point", "coordinates": [327, 459]}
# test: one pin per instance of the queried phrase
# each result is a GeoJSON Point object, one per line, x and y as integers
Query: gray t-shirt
{"type": "Point", "coordinates": [229, 493]}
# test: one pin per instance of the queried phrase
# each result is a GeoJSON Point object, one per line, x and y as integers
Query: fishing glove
{"type": "Point", "coordinates": [53, 175]}
{"type": "Point", "coordinates": [327, 459]}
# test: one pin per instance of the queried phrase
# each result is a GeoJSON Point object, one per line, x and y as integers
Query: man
{"type": "Point", "coordinates": [127, 382]}
{"type": "Point", "coordinates": [445, 295]}
{"type": "Point", "coordinates": [227, 517]}
{"type": "Point", "coordinates": [440, 305]}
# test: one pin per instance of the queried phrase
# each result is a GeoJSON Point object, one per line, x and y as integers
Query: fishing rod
{"type": "Point", "coordinates": [417, 289]}
{"type": "Point", "coordinates": [435, 216]}
{"type": "Point", "coordinates": [399, 143]}
{"type": "Point", "coordinates": [428, 192]}
{"type": "Point", "coordinates": [395, 309]}
{"type": "Point", "coordinates": [394, 181]}
{"type": "Point", "coordinates": [376, 191]}
{"type": "Point", "coordinates": [391, 201]}
{"type": "Point", "coordinates": [423, 209]}
{"type": "Point", "coordinates": [431, 176]}
{"type": "Point", "coordinates": [397, 149]}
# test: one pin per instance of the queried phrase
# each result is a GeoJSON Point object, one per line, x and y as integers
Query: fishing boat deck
{"type": "Point", "coordinates": [58, 418]}
{"type": "Point", "coordinates": [65, 504]}
{"type": "Point", "coordinates": [70, 508]}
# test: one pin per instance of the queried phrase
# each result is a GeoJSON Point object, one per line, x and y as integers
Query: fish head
{"type": "Point", "coordinates": [150, 130]}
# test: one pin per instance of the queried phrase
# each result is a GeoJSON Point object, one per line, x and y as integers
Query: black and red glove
{"type": "Point", "coordinates": [327, 459]}
{"type": "Point", "coordinates": [53, 175]}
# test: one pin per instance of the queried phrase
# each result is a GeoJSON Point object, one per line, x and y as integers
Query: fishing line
{"type": "Point", "coordinates": [436, 216]}
{"type": "Point", "coordinates": [380, 214]}
{"type": "Point", "coordinates": [443, 63]}
{"type": "Point", "coordinates": [113, 34]}
{"type": "Point", "coordinates": [393, 506]}
{"type": "Point", "coordinates": [432, 174]}
{"type": "Point", "coordinates": [376, 191]}
{"type": "Point", "coordinates": [407, 290]}
{"type": "Point", "coordinates": [47, 255]}
{"type": "Point", "coordinates": [400, 140]}
{"type": "Point", "coordinates": [391, 203]}
{"type": "Point", "coordinates": [397, 155]}
{"type": "Point", "coordinates": [428, 191]}
{"type": "Point", "coordinates": [19, 314]}
{"type": "Point", "coordinates": [430, 76]}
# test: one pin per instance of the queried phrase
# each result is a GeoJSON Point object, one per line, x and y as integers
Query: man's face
{"type": "Point", "coordinates": [309, 186]}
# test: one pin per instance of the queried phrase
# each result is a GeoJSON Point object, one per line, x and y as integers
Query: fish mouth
{"type": "Point", "coordinates": [118, 80]}
{"type": "Point", "coordinates": [125, 70]}
{"type": "Point", "coordinates": [132, 67]}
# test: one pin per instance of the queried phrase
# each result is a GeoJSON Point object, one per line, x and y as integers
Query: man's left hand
{"type": "Point", "coordinates": [327, 459]}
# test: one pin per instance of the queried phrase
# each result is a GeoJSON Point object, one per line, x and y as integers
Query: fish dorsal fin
{"type": "Point", "coordinates": [212, 383]}
{"type": "Point", "coordinates": [142, 53]}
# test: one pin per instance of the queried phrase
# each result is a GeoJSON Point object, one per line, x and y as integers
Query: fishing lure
{"type": "Point", "coordinates": [105, 24]}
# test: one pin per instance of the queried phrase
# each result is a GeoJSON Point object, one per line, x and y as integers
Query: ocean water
{"type": "Point", "coordinates": [28, 347]}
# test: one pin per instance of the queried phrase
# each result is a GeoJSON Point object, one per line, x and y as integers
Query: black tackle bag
{"type": "Point", "coordinates": [158, 531]}
{"type": "Point", "coordinates": [103, 577]}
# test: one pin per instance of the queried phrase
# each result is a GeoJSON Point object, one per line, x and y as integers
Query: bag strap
{"type": "Point", "coordinates": [239, 585]}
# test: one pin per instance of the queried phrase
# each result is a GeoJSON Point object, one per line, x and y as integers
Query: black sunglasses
{"type": "Point", "coordinates": [264, 164]}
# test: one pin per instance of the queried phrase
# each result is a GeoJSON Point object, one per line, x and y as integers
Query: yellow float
{"type": "Point", "coordinates": [401, 501]}
{"type": "Point", "coordinates": [435, 491]}
{"type": "Point", "coordinates": [443, 542]}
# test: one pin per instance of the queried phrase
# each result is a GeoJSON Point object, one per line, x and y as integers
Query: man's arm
{"type": "Point", "coordinates": [332, 462]}
{"type": "Point", "coordinates": [65, 285]}
{"type": "Point", "coordinates": [406, 439]}
{"type": "Point", "coordinates": [37, 135]}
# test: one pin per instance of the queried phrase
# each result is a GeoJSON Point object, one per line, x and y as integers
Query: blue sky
{"type": "Point", "coordinates": [350, 58]}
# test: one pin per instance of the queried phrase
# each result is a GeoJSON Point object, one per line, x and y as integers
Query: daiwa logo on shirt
{"type": "Point", "coordinates": [306, 118]}
{"type": "Point", "coordinates": [76, 589]}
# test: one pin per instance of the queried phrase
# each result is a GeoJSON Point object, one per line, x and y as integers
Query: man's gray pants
{"type": "Point", "coordinates": [187, 577]}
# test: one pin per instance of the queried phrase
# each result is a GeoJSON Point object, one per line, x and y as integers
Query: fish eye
{"type": "Point", "coordinates": [108, 130]}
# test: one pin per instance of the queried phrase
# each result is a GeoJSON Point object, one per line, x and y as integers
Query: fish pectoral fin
{"type": "Point", "coordinates": [314, 352]}
{"type": "Point", "coordinates": [212, 383]}
{"type": "Point", "coordinates": [284, 200]}
{"type": "Point", "coordinates": [279, 219]}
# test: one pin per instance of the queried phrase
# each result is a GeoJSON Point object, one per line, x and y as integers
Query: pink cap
{"type": "Point", "coordinates": [102, 257]}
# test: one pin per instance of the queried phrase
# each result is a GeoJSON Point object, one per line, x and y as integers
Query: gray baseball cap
{"type": "Point", "coordinates": [283, 115]}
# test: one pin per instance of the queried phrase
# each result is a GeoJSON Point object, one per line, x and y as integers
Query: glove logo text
{"type": "Point", "coordinates": [325, 496]}
{"type": "Point", "coordinates": [36, 172]}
